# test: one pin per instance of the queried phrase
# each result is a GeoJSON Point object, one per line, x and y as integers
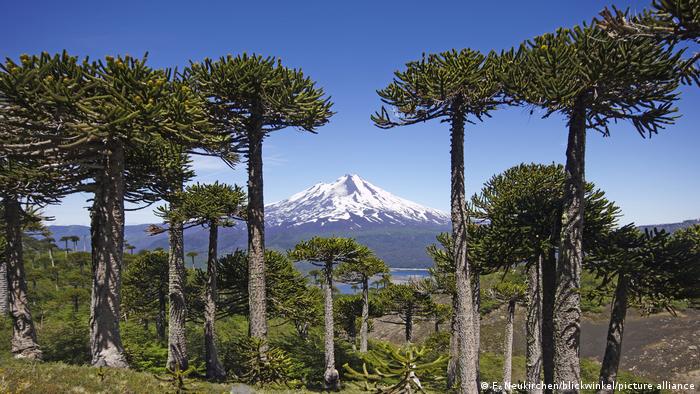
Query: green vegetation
{"type": "Point", "coordinates": [540, 234]}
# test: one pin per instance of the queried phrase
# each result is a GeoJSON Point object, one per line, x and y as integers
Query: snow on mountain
{"type": "Point", "coordinates": [349, 199]}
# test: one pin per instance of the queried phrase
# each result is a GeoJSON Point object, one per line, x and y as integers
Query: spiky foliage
{"type": "Point", "coordinates": [286, 290]}
{"type": "Point", "coordinates": [145, 286]}
{"type": "Point", "coordinates": [360, 270]}
{"type": "Point", "coordinates": [178, 379]}
{"type": "Point", "coordinates": [656, 265]}
{"type": "Point", "coordinates": [609, 80]}
{"type": "Point", "coordinates": [523, 205]}
{"type": "Point", "coordinates": [670, 21]}
{"type": "Point", "coordinates": [335, 250]}
{"type": "Point", "coordinates": [406, 366]}
{"type": "Point", "coordinates": [407, 301]}
{"type": "Point", "coordinates": [439, 86]}
{"type": "Point", "coordinates": [216, 203]}
{"type": "Point", "coordinates": [258, 93]}
{"type": "Point", "coordinates": [264, 365]}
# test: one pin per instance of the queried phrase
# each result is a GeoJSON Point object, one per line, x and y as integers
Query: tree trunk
{"type": "Point", "coordinates": [107, 231]}
{"type": "Point", "coordinates": [454, 346]}
{"type": "Point", "coordinates": [409, 324]}
{"type": "Point", "coordinates": [567, 308]}
{"type": "Point", "coordinates": [214, 368]}
{"type": "Point", "coordinates": [256, 239]}
{"type": "Point", "coordinates": [549, 278]}
{"type": "Point", "coordinates": [331, 377]}
{"type": "Point", "coordinates": [24, 343]}
{"type": "Point", "coordinates": [533, 326]}
{"type": "Point", "coordinates": [508, 347]}
{"type": "Point", "coordinates": [364, 327]}
{"type": "Point", "coordinates": [160, 320]}
{"type": "Point", "coordinates": [177, 279]}
{"type": "Point", "coordinates": [613, 348]}
{"type": "Point", "coordinates": [465, 312]}
{"type": "Point", "coordinates": [4, 307]}
{"type": "Point", "coordinates": [476, 299]}
{"type": "Point", "coordinates": [53, 261]}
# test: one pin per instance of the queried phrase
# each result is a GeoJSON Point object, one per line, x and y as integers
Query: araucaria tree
{"type": "Point", "coordinates": [98, 116]}
{"type": "Point", "coordinates": [359, 272]}
{"type": "Point", "coordinates": [146, 288]}
{"type": "Point", "coordinates": [649, 270]}
{"type": "Point", "coordinates": [592, 80]}
{"type": "Point", "coordinates": [456, 87]}
{"type": "Point", "coordinates": [407, 301]}
{"type": "Point", "coordinates": [252, 96]}
{"type": "Point", "coordinates": [325, 253]}
{"type": "Point", "coordinates": [510, 293]}
{"type": "Point", "coordinates": [522, 207]}
{"type": "Point", "coordinates": [215, 205]}
{"type": "Point", "coordinates": [26, 181]}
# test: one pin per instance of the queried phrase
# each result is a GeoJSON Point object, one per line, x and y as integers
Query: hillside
{"type": "Point", "coordinates": [398, 230]}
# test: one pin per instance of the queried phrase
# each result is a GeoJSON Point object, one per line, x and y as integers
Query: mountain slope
{"type": "Point", "coordinates": [352, 202]}
{"type": "Point", "coordinates": [396, 228]}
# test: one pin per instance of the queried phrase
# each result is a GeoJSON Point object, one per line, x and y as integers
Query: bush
{"type": "Point", "coordinates": [66, 341]}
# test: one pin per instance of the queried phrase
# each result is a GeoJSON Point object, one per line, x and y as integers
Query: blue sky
{"type": "Point", "coordinates": [351, 49]}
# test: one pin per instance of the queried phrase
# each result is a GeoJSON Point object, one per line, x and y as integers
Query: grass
{"type": "Point", "coordinates": [23, 376]}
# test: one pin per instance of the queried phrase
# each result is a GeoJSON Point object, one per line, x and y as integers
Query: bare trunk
{"type": "Point", "coordinates": [533, 326]}
{"type": "Point", "coordinates": [214, 368]}
{"type": "Point", "coordinates": [4, 306]}
{"type": "Point", "coordinates": [465, 312]}
{"type": "Point", "coordinates": [549, 278]}
{"type": "Point", "coordinates": [24, 343]}
{"type": "Point", "coordinates": [613, 348]}
{"type": "Point", "coordinates": [476, 299]}
{"type": "Point", "coordinates": [409, 324]}
{"type": "Point", "coordinates": [331, 377]}
{"type": "Point", "coordinates": [508, 347]}
{"type": "Point", "coordinates": [160, 319]}
{"type": "Point", "coordinates": [256, 239]}
{"type": "Point", "coordinates": [177, 279]}
{"type": "Point", "coordinates": [364, 327]}
{"type": "Point", "coordinates": [107, 229]}
{"type": "Point", "coordinates": [454, 347]}
{"type": "Point", "coordinates": [567, 308]}
{"type": "Point", "coordinates": [53, 261]}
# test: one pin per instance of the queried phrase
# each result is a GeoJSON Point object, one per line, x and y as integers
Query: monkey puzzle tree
{"type": "Point", "coordinates": [510, 292]}
{"type": "Point", "coordinates": [670, 21]}
{"type": "Point", "coordinates": [146, 288]}
{"type": "Point", "coordinates": [99, 116]}
{"type": "Point", "coordinates": [456, 87]}
{"type": "Point", "coordinates": [250, 97]}
{"type": "Point", "coordinates": [592, 80]}
{"type": "Point", "coordinates": [172, 167]}
{"type": "Point", "coordinates": [325, 253]}
{"type": "Point", "coordinates": [523, 208]}
{"type": "Point", "coordinates": [649, 270]}
{"type": "Point", "coordinates": [192, 254]}
{"type": "Point", "coordinates": [213, 205]}
{"type": "Point", "coordinates": [29, 184]}
{"type": "Point", "coordinates": [443, 274]}
{"type": "Point", "coordinates": [360, 272]}
{"type": "Point", "coordinates": [407, 301]}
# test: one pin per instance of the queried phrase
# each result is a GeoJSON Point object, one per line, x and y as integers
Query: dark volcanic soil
{"type": "Point", "coordinates": [659, 347]}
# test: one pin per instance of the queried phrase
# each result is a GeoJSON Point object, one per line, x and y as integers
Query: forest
{"type": "Point", "coordinates": [537, 240]}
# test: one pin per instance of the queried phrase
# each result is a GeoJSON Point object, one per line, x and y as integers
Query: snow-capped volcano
{"type": "Point", "coordinates": [351, 202]}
